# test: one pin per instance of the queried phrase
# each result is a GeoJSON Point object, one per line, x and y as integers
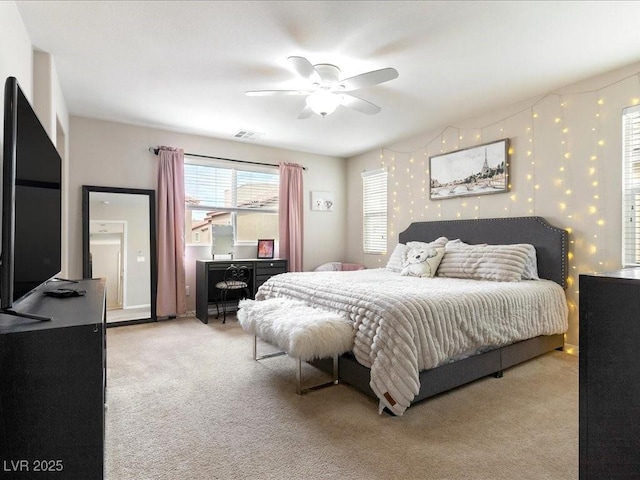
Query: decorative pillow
{"type": "Point", "coordinates": [457, 241]}
{"type": "Point", "coordinates": [501, 263]}
{"type": "Point", "coordinates": [422, 261]}
{"type": "Point", "coordinates": [438, 242]}
{"type": "Point", "coordinates": [531, 266]}
{"type": "Point", "coordinates": [329, 267]}
{"type": "Point", "coordinates": [397, 258]}
{"type": "Point", "coordinates": [338, 267]}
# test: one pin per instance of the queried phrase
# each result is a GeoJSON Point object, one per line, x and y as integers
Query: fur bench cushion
{"type": "Point", "coordinates": [303, 332]}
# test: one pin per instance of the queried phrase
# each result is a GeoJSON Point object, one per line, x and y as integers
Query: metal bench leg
{"type": "Point", "coordinates": [269, 355]}
{"type": "Point", "coordinates": [334, 380]}
{"type": "Point", "coordinates": [299, 389]}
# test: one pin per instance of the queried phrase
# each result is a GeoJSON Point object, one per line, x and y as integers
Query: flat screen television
{"type": "Point", "coordinates": [31, 201]}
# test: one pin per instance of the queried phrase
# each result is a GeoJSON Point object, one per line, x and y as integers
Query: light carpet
{"type": "Point", "coordinates": [187, 401]}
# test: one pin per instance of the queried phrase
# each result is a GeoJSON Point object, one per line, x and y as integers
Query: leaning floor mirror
{"type": "Point", "coordinates": [118, 240]}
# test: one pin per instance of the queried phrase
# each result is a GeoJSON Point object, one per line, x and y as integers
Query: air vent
{"type": "Point", "coordinates": [248, 135]}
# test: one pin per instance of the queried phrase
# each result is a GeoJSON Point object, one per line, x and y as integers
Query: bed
{"type": "Point", "coordinates": [414, 339]}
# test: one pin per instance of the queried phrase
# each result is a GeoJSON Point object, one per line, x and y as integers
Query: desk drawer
{"type": "Point", "coordinates": [227, 264]}
{"type": "Point", "coordinates": [271, 268]}
{"type": "Point", "coordinates": [266, 270]}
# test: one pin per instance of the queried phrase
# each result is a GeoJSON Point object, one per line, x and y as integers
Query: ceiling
{"type": "Point", "coordinates": [184, 66]}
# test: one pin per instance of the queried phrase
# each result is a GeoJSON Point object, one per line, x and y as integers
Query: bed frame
{"type": "Point", "coordinates": [551, 245]}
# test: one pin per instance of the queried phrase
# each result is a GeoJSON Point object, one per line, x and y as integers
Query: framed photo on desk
{"type": "Point", "coordinates": [265, 248]}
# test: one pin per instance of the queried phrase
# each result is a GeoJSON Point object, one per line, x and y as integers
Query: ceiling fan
{"type": "Point", "coordinates": [327, 91]}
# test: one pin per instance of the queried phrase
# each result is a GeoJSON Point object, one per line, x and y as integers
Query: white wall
{"type": "Point", "coordinates": [565, 166]}
{"type": "Point", "coordinates": [116, 155]}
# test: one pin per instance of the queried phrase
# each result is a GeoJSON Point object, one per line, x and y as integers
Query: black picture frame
{"type": "Point", "coordinates": [478, 170]}
{"type": "Point", "coordinates": [265, 248]}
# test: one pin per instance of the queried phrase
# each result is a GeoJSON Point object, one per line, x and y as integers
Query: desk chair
{"type": "Point", "coordinates": [235, 279]}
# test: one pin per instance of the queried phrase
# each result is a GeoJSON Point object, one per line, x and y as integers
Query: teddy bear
{"type": "Point", "coordinates": [421, 261]}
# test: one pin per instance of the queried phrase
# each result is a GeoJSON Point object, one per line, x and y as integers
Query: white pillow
{"type": "Point", "coordinates": [502, 263]}
{"type": "Point", "coordinates": [457, 241]}
{"type": "Point", "coordinates": [531, 267]}
{"type": "Point", "coordinates": [329, 267]}
{"type": "Point", "coordinates": [422, 261]}
{"type": "Point", "coordinates": [396, 260]}
{"type": "Point", "coordinates": [530, 271]}
{"type": "Point", "coordinates": [438, 242]}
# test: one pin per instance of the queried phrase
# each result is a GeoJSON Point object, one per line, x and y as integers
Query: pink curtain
{"type": "Point", "coordinates": [171, 270]}
{"type": "Point", "coordinates": [290, 213]}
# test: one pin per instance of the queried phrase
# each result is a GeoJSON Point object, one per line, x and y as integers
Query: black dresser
{"type": "Point", "coordinates": [609, 431]}
{"type": "Point", "coordinates": [52, 386]}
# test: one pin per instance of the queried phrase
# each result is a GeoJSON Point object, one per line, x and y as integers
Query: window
{"type": "Point", "coordinates": [229, 205]}
{"type": "Point", "coordinates": [374, 202]}
{"type": "Point", "coordinates": [631, 186]}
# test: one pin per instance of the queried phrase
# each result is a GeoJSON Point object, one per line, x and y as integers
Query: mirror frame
{"type": "Point", "coordinates": [86, 190]}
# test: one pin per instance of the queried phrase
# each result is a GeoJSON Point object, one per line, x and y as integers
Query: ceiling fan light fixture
{"type": "Point", "coordinates": [323, 102]}
{"type": "Point", "coordinates": [328, 90]}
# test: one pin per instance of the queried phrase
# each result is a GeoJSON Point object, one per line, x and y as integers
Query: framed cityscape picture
{"type": "Point", "coordinates": [473, 171]}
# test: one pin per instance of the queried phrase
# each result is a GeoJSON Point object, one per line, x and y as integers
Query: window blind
{"type": "Point", "coordinates": [226, 205]}
{"type": "Point", "coordinates": [374, 201]}
{"type": "Point", "coordinates": [215, 187]}
{"type": "Point", "coordinates": [631, 186]}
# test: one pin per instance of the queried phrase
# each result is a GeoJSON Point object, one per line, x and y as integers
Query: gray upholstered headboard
{"type": "Point", "coordinates": [551, 243]}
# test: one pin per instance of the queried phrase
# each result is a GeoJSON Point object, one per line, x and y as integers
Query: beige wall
{"type": "Point", "coordinates": [565, 166]}
{"type": "Point", "coordinates": [116, 155]}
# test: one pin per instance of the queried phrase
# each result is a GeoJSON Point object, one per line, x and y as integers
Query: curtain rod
{"type": "Point", "coordinates": [156, 150]}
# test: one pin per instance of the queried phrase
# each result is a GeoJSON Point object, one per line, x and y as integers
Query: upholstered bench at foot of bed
{"type": "Point", "coordinates": [302, 332]}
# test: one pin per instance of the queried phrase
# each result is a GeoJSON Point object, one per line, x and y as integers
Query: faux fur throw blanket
{"type": "Point", "coordinates": [406, 324]}
{"type": "Point", "coordinates": [303, 332]}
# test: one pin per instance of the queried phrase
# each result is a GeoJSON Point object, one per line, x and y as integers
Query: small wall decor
{"type": "Point", "coordinates": [265, 248]}
{"type": "Point", "coordinates": [473, 171]}
{"type": "Point", "coordinates": [322, 201]}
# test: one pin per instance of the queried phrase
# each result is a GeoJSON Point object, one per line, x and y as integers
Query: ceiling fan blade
{"type": "Point", "coordinates": [360, 105]}
{"type": "Point", "coordinates": [305, 113]}
{"type": "Point", "coordinates": [305, 69]}
{"type": "Point", "coordinates": [368, 79]}
{"type": "Point", "coordinates": [266, 93]}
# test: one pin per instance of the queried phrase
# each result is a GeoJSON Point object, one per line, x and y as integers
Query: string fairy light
{"type": "Point", "coordinates": [565, 161]}
{"type": "Point", "coordinates": [595, 183]}
{"type": "Point", "coordinates": [531, 176]}
{"type": "Point", "coordinates": [533, 156]}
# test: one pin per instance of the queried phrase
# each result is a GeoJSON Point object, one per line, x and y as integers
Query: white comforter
{"type": "Point", "coordinates": [408, 324]}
